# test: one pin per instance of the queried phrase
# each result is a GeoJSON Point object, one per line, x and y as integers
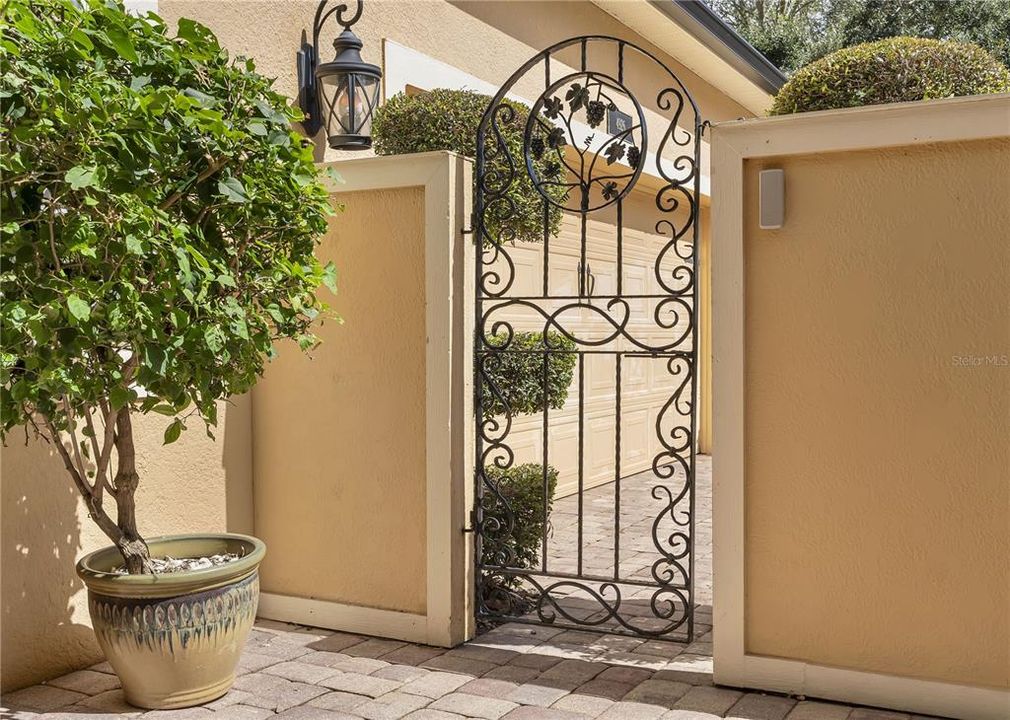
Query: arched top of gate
{"type": "Point", "coordinates": [593, 110]}
{"type": "Point", "coordinates": [584, 40]}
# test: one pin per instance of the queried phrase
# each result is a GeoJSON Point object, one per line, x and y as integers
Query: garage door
{"type": "Point", "coordinates": [646, 383]}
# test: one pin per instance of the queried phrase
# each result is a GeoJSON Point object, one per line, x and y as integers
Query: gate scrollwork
{"type": "Point", "coordinates": [586, 146]}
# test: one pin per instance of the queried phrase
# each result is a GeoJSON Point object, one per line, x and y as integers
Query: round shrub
{"type": "Point", "coordinates": [894, 70]}
{"type": "Point", "coordinates": [444, 119]}
{"type": "Point", "coordinates": [522, 486]}
{"type": "Point", "coordinates": [517, 373]}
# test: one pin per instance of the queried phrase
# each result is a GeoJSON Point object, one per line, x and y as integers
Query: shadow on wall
{"type": "Point", "coordinates": [41, 622]}
{"type": "Point", "coordinates": [194, 485]}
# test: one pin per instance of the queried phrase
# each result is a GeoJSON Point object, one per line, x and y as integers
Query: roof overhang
{"type": "Point", "coordinates": [692, 33]}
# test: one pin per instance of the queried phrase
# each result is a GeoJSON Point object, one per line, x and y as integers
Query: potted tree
{"type": "Point", "coordinates": [159, 219]}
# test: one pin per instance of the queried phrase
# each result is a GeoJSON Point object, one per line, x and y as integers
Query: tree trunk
{"type": "Point", "coordinates": [132, 546]}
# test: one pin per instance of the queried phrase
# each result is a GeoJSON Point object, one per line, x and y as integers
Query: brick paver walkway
{"type": "Point", "coordinates": [514, 672]}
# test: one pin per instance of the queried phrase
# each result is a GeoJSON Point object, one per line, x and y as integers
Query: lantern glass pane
{"type": "Point", "coordinates": [366, 95]}
{"type": "Point", "coordinates": [336, 92]}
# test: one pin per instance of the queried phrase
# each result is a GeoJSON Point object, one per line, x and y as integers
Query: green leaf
{"type": "Point", "coordinates": [80, 177]}
{"type": "Point", "coordinates": [120, 396]}
{"type": "Point", "coordinates": [330, 277]}
{"type": "Point", "coordinates": [173, 431]}
{"type": "Point", "coordinates": [121, 41]}
{"type": "Point", "coordinates": [78, 308]}
{"type": "Point", "coordinates": [232, 189]}
{"type": "Point", "coordinates": [156, 358]}
{"type": "Point", "coordinates": [134, 245]}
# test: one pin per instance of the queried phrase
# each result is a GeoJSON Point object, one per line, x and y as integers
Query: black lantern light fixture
{"type": "Point", "coordinates": [342, 94]}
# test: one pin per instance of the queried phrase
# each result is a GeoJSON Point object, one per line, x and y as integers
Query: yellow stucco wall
{"type": "Point", "coordinates": [340, 440]}
{"type": "Point", "coordinates": [193, 485]}
{"type": "Point", "coordinates": [877, 413]}
{"type": "Point", "coordinates": [488, 39]}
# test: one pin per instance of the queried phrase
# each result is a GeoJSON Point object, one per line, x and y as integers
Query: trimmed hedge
{"type": "Point", "coordinates": [444, 119]}
{"type": "Point", "coordinates": [519, 376]}
{"type": "Point", "coordinates": [894, 70]}
{"type": "Point", "coordinates": [522, 486]}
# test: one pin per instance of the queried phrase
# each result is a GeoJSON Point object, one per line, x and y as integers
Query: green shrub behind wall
{"type": "Point", "coordinates": [894, 70]}
{"type": "Point", "coordinates": [517, 373]}
{"type": "Point", "coordinates": [444, 119]}
{"type": "Point", "coordinates": [522, 486]}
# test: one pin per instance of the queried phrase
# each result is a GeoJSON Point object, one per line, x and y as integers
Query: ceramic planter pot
{"type": "Point", "coordinates": [175, 639]}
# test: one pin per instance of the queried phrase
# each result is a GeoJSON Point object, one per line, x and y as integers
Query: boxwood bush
{"type": "Point", "coordinates": [444, 119]}
{"type": "Point", "coordinates": [894, 70]}
{"type": "Point", "coordinates": [522, 486]}
{"type": "Point", "coordinates": [517, 373]}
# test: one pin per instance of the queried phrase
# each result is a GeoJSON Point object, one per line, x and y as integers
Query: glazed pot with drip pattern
{"type": "Point", "coordinates": [175, 638]}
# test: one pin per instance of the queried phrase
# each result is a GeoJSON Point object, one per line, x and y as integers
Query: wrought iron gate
{"type": "Point", "coordinates": [542, 324]}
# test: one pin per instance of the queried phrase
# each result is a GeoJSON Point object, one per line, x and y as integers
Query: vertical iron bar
{"type": "Point", "coordinates": [547, 248]}
{"type": "Point", "coordinates": [620, 62]}
{"type": "Point", "coordinates": [543, 544]}
{"type": "Point", "coordinates": [617, 468]}
{"type": "Point", "coordinates": [547, 205]}
{"type": "Point", "coordinates": [582, 421]}
{"type": "Point", "coordinates": [583, 54]}
{"type": "Point", "coordinates": [693, 369]}
{"type": "Point", "coordinates": [477, 227]}
{"type": "Point", "coordinates": [620, 246]}
{"type": "Point", "coordinates": [582, 245]}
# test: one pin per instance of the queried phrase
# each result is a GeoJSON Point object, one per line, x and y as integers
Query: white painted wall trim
{"type": "Point", "coordinates": [352, 618]}
{"type": "Point", "coordinates": [958, 119]}
{"type": "Point", "coordinates": [448, 618]}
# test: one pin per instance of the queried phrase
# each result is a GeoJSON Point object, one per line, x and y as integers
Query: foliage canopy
{"type": "Point", "coordinates": [793, 33]}
{"type": "Point", "coordinates": [892, 70]}
{"type": "Point", "coordinates": [159, 219]}
{"type": "Point", "coordinates": [444, 119]}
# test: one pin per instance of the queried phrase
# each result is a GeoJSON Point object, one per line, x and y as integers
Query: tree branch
{"type": "Point", "coordinates": [93, 504]}
{"type": "Point", "coordinates": [97, 488]}
{"type": "Point", "coordinates": [213, 166]}
{"type": "Point", "coordinates": [52, 242]}
{"type": "Point", "coordinates": [72, 429]}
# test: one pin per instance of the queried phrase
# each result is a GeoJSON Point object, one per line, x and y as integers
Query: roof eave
{"type": "Point", "coordinates": [705, 25]}
{"type": "Point", "coordinates": [699, 40]}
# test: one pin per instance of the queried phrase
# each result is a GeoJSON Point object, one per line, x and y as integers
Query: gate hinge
{"type": "Point", "coordinates": [473, 522]}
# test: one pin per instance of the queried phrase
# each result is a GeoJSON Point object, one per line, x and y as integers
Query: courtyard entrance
{"type": "Point", "coordinates": [586, 223]}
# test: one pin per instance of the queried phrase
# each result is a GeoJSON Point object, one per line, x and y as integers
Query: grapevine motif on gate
{"type": "Point", "coordinates": [580, 160]}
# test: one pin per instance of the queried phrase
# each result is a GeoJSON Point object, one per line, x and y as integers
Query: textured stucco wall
{"type": "Point", "coordinates": [487, 39]}
{"type": "Point", "coordinates": [193, 485]}
{"type": "Point", "coordinates": [340, 434]}
{"type": "Point", "coordinates": [877, 413]}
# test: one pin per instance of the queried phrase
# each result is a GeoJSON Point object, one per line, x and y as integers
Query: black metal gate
{"type": "Point", "coordinates": [549, 335]}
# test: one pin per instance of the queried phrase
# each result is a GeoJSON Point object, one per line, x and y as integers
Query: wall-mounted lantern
{"type": "Point", "coordinates": [342, 94]}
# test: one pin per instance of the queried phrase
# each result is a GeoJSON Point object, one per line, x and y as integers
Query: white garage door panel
{"type": "Point", "coordinates": [646, 384]}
